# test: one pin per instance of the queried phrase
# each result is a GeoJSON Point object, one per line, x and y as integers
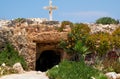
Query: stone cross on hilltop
{"type": "Point", "coordinates": [50, 8]}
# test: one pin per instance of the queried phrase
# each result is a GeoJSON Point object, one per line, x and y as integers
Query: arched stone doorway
{"type": "Point", "coordinates": [47, 60]}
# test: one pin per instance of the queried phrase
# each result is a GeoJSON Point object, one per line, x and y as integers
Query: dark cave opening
{"type": "Point", "coordinates": [47, 60]}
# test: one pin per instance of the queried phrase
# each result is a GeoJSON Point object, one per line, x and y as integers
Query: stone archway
{"type": "Point", "coordinates": [47, 60]}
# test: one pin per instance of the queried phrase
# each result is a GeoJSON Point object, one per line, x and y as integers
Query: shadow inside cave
{"type": "Point", "coordinates": [47, 60]}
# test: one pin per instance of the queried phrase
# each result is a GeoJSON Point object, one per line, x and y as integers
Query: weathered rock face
{"type": "Point", "coordinates": [102, 28]}
{"type": "Point", "coordinates": [31, 40]}
{"type": "Point", "coordinates": [5, 33]}
{"type": "Point", "coordinates": [50, 37]}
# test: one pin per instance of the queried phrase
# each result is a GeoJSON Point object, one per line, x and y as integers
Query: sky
{"type": "Point", "coordinates": [68, 10]}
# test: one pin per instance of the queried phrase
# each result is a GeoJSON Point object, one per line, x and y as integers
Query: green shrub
{"type": "Point", "coordinates": [9, 56]}
{"type": "Point", "coordinates": [102, 42]}
{"type": "Point", "coordinates": [82, 28]}
{"type": "Point", "coordinates": [99, 42]}
{"type": "Point", "coordinates": [107, 20]}
{"type": "Point", "coordinates": [19, 20]}
{"type": "Point", "coordinates": [75, 44]}
{"type": "Point", "coordinates": [116, 38]}
{"type": "Point", "coordinates": [74, 70]}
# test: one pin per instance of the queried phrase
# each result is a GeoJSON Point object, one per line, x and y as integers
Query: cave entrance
{"type": "Point", "coordinates": [47, 60]}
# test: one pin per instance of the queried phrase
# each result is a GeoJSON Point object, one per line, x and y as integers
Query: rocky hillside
{"type": "Point", "coordinates": [103, 28]}
{"type": "Point", "coordinates": [21, 36]}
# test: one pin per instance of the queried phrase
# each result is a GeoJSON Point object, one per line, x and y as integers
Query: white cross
{"type": "Point", "coordinates": [50, 8]}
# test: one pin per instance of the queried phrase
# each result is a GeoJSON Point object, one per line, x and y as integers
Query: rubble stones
{"type": "Point", "coordinates": [5, 23]}
{"type": "Point", "coordinates": [112, 75]}
{"type": "Point", "coordinates": [3, 65]}
{"type": "Point", "coordinates": [18, 67]}
{"type": "Point", "coordinates": [102, 28]}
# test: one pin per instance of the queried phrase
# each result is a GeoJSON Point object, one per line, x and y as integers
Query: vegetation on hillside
{"type": "Point", "coordinates": [64, 24]}
{"type": "Point", "coordinates": [107, 20]}
{"type": "Point", "coordinates": [75, 45]}
{"type": "Point", "coordinates": [116, 38]}
{"type": "Point", "coordinates": [99, 42]}
{"type": "Point", "coordinates": [82, 43]}
{"type": "Point", "coordinates": [20, 20]}
{"type": "Point", "coordinates": [10, 56]}
{"type": "Point", "coordinates": [74, 70]}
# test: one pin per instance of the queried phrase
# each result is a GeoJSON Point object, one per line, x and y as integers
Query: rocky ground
{"type": "Point", "coordinates": [27, 75]}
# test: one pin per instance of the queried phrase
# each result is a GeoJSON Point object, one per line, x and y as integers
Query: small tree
{"type": "Point", "coordinates": [107, 20]}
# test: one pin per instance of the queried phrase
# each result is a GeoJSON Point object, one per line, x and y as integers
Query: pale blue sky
{"type": "Point", "coordinates": [72, 10]}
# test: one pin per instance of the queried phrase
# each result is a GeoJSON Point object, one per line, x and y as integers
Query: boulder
{"type": "Point", "coordinates": [118, 76]}
{"type": "Point", "coordinates": [3, 65]}
{"type": "Point", "coordinates": [111, 75]}
{"type": "Point", "coordinates": [18, 67]}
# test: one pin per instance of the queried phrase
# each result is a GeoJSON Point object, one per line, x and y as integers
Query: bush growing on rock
{"type": "Point", "coordinates": [116, 38]}
{"type": "Point", "coordinates": [103, 44]}
{"type": "Point", "coordinates": [75, 44]}
{"type": "Point", "coordinates": [19, 20]}
{"type": "Point", "coordinates": [9, 56]}
{"type": "Point", "coordinates": [80, 29]}
{"type": "Point", "coordinates": [100, 42]}
{"type": "Point", "coordinates": [107, 20]}
{"type": "Point", "coordinates": [64, 24]}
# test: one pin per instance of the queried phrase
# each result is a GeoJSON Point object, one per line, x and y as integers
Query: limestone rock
{"type": "Point", "coordinates": [118, 76]}
{"type": "Point", "coordinates": [111, 75]}
{"type": "Point", "coordinates": [50, 37]}
{"type": "Point", "coordinates": [3, 65]}
{"type": "Point", "coordinates": [18, 67]}
{"type": "Point", "coordinates": [102, 28]}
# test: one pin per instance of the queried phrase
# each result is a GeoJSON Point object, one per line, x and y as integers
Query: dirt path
{"type": "Point", "coordinates": [26, 75]}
